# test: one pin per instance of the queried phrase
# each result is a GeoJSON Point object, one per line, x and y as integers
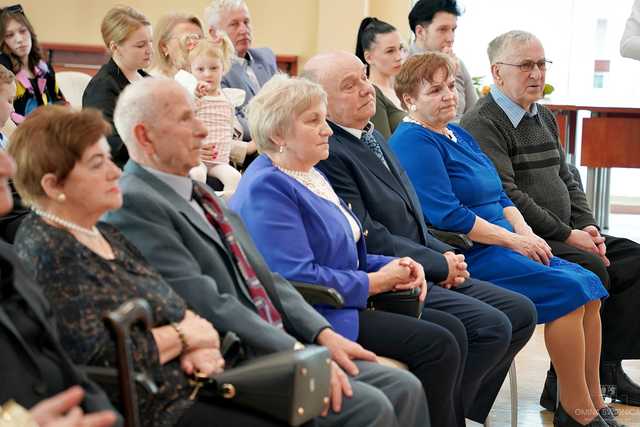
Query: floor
{"type": "Point", "coordinates": [533, 362]}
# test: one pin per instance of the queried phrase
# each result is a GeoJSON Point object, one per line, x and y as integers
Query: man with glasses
{"type": "Point", "coordinates": [521, 138]}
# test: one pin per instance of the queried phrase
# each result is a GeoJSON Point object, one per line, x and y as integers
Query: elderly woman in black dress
{"type": "Point", "coordinates": [87, 268]}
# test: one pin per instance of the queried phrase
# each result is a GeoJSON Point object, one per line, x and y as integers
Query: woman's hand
{"type": "Point", "coordinates": [202, 361]}
{"type": "Point", "coordinates": [198, 332]}
{"type": "Point", "coordinates": [63, 410]}
{"type": "Point", "coordinates": [531, 246]}
{"type": "Point", "coordinates": [399, 274]}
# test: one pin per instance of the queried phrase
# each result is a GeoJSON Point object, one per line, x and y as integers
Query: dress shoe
{"type": "Point", "coordinates": [550, 390]}
{"type": "Point", "coordinates": [609, 417]}
{"type": "Point", "coordinates": [617, 385]}
{"type": "Point", "coordinates": [562, 419]}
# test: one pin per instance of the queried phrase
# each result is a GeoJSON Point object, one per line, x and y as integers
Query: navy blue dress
{"type": "Point", "coordinates": [455, 181]}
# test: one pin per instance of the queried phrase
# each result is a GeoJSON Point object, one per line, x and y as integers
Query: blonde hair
{"type": "Point", "coordinates": [162, 34]}
{"type": "Point", "coordinates": [280, 101]}
{"type": "Point", "coordinates": [223, 51]}
{"type": "Point", "coordinates": [6, 76]}
{"type": "Point", "coordinates": [119, 23]}
{"type": "Point", "coordinates": [51, 140]}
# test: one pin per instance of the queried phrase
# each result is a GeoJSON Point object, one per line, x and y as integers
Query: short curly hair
{"type": "Point", "coordinates": [419, 69]}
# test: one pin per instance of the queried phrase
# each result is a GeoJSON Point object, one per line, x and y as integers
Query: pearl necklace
{"type": "Point", "coordinates": [447, 132]}
{"type": "Point", "coordinates": [314, 181]}
{"type": "Point", "coordinates": [92, 232]}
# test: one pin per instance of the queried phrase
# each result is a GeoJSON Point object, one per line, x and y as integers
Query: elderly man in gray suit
{"type": "Point", "coordinates": [189, 236]}
{"type": "Point", "coordinates": [252, 67]}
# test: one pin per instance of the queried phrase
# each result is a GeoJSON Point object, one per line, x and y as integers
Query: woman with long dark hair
{"type": "Point", "coordinates": [20, 52]}
{"type": "Point", "coordinates": [379, 46]}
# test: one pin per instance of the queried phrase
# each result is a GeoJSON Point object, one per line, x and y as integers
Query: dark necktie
{"type": "Point", "coordinates": [373, 145]}
{"type": "Point", "coordinates": [214, 214]}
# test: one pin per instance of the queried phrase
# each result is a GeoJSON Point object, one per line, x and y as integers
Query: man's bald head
{"type": "Point", "coordinates": [351, 99]}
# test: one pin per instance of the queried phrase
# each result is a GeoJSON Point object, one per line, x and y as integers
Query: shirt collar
{"type": "Point", "coordinates": [357, 132]}
{"type": "Point", "coordinates": [183, 185]}
{"type": "Point", "coordinates": [514, 112]}
{"type": "Point", "coordinates": [245, 60]}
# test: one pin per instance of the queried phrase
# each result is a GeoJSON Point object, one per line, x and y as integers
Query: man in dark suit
{"type": "Point", "coordinates": [163, 214]}
{"type": "Point", "coordinates": [252, 67]}
{"type": "Point", "coordinates": [35, 371]}
{"type": "Point", "coordinates": [495, 323]}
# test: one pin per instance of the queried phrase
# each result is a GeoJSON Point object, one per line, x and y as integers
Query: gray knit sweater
{"type": "Point", "coordinates": [532, 166]}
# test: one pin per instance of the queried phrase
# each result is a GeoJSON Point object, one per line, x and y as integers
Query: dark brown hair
{"type": "Point", "coordinates": [35, 56]}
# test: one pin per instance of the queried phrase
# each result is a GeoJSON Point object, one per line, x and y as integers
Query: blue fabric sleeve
{"type": "Point", "coordinates": [424, 162]}
{"type": "Point", "coordinates": [273, 218]}
{"type": "Point", "coordinates": [376, 262]}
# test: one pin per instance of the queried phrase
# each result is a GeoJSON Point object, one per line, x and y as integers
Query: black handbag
{"type": "Point", "coordinates": [290, 386]}
{"type": "Point", "coordinates": [401, 302]}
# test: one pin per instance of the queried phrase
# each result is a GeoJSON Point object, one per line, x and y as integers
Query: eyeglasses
{"type": "Point", "coordinates": [16, 8]}
{"type": "Point", "coordinates": [527, 66]}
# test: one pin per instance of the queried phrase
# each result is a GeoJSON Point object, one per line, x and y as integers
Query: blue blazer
{"type": "Point", "coordinates": [307, 239]}
{"type": "Point", "coordinates": [264, 65]}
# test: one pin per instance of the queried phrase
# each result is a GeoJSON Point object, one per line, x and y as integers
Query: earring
{"type": "Point", "coordinates": [413, 108]}
{"type": "Point", "coordinates": [281, 149]}
{"type": "Point", "coordinates": [61, 197]}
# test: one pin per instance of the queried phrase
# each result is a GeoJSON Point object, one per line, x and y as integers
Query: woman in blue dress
{"type": "Point", "coordinates": [460, 190]}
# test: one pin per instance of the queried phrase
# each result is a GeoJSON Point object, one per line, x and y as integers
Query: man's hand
{"type": "Point", "coordinates": [62, 410]}
{"type": "Point", "coordinates": [457, 270]}
{"type": "Point", "coordinates": [599, 241]}
{"type": "Point", "coordinates": [339, 386]}
{"type": "Point", "coordinates": [344, 351]}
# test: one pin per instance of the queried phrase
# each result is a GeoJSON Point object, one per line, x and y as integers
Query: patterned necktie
{"type": "Point", "coordinates": [214, 214]}
{"type": "Point", "coordinates": [373, 145]}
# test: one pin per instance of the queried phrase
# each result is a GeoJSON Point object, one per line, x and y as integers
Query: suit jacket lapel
{"type": "Point", "coordinates": [388, 176]}
{"type": "Point", "coordinates": [175, 200]}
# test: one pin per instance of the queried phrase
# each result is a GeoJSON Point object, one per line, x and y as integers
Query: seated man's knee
{"type": "Point", "coordinates": [369, 406]}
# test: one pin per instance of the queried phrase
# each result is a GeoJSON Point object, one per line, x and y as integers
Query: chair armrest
{"type": "Point", "coordinates": [457, 240]}
{"type": "Point", "coordinates": [319, 295]}
{"type": "Point", "coordinates": [107, 378]}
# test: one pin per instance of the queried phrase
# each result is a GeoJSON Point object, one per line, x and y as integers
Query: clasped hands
{"type": "Point", "coordinates": [202, 355]}
{"type": "Point", "coordinates": [401, 274]}
{"type": "Point", "coordinates": [589, 239]}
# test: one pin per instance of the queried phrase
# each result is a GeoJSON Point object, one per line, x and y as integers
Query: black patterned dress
{"type": "Point", "coordinates": [83, 287]}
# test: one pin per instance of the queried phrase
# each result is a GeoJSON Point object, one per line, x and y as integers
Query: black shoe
{"type": "Point", "coordinates": [617, 385]}
{"type": "Point", "coordinates": [549, 392]}
{"type": "Point", "coordinates": [609, 417]}
{"type": "Point", "coordinates": [562, 419]}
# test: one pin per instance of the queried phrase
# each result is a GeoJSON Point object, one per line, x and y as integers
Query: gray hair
{"type": "Point", "coordinates": [273, 110]}
{"type": "Point", "coordinates": [213, 11]}
{"type": "Point", "coordinates": [499, 46]}
{"type": "Point", "coordinates": [139, 103]}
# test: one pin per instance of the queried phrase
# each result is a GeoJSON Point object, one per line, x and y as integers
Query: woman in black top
{"type": "Point", "coordinates": [35, 80]}
{"type": "Point", "coordinates": [127, 34]}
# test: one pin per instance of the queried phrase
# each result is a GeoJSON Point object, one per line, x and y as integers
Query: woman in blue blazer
{"type": "Point", "coordinates": [307, 234]}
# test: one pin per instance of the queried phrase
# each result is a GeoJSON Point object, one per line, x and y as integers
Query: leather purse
{"type": "Point", "coordinates": [402, 302]}
{"type": "Point", "coordinates": [290, 386]}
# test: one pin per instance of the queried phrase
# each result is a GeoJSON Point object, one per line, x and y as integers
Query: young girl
{"type": "Point", "coordinates": [207, 62]}
{"type": "Point", "coordinates": [35, 81]}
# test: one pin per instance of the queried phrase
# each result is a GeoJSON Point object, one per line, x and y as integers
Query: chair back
{"type": "Point", "coordinates": [72, 84]}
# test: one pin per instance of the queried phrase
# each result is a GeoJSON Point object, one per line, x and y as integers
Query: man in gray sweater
{"type": "Point", "coordinates": [521, 138]}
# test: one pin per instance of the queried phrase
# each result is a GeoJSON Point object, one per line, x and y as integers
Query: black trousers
{"type": "Point", "coordinates": [429, 350]}
{"type": "Point", "coordinates": [620, 315]}
{"type": "Point", "coordinates": [222, 414]}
